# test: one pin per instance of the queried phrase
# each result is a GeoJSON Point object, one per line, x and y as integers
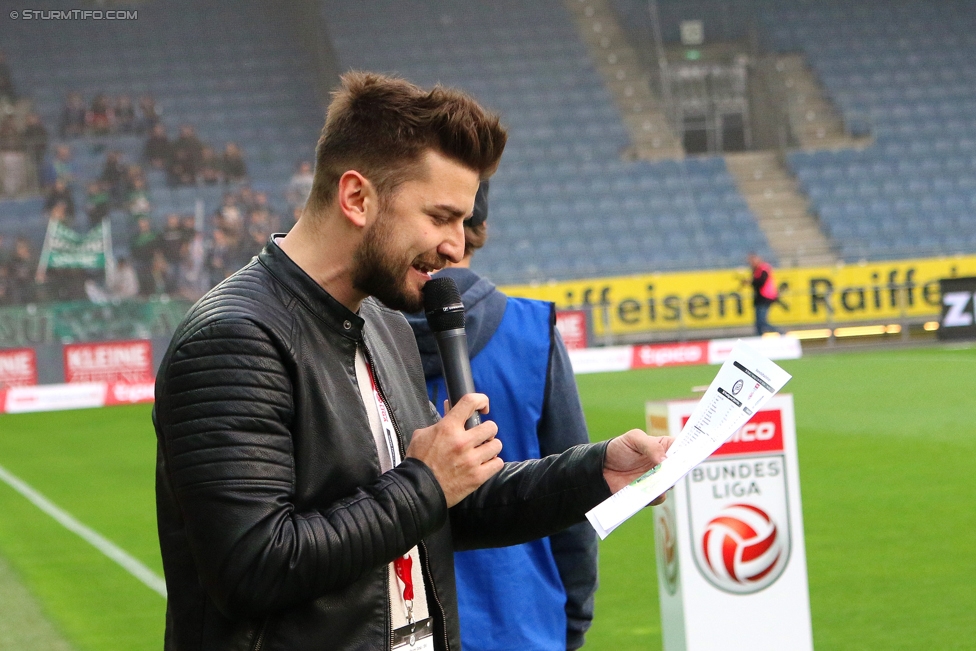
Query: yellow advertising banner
{"type": "Point", "coordinates": [723, 298]}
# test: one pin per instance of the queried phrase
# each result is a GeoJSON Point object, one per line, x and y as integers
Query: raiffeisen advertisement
{"type": "Point", "coordinates": [714, 299]}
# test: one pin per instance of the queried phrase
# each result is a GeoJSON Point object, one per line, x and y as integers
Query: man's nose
{"type": "Point", "coordinates": [452, 247]}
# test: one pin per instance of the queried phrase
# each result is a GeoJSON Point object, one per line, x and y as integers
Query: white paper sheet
{"type": "Point", "coordinates": [742, 386]}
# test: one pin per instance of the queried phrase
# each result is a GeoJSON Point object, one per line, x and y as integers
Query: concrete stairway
{"type": "Point", "coordinates": [782, 211]}
{"type": "Point", "coordinates": [650, 133]}
{"type": "Point", "coordinates": [814, 120]}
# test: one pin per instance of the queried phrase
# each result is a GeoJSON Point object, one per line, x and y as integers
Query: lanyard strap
{"type": "Point", "coordinates": [386, 422]}
{"type": "Point", "coordinates": [403, 566]}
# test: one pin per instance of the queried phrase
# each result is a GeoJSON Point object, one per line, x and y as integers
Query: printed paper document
{"type": "Point", "coordinates": [743, 385]}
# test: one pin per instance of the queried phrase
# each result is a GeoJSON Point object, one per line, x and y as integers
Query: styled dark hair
{"type": "Point", "coordinates": [381, 127]}
{"type": "Point", "coordinates": [475, 237]}
{"type": "Point", "coordinates": [475, 226]}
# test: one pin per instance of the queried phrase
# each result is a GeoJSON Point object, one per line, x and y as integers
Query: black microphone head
{"type": "Point", "coordinates": [442, 305]}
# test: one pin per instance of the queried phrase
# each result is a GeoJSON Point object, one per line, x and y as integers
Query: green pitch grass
{"type": "Point", "coordinates": [887, 447]}
{"type": "Point", "coordinates": [98, 465]}
{"type": "Point", "coordinates": [887, 444]}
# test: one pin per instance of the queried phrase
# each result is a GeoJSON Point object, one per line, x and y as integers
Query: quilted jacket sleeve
{"type": "Point", "coordinates": [531, 499]}
{"type": "Point", "coordinates": [224, 405]}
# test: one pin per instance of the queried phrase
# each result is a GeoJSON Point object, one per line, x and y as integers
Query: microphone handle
{"type": "Point", "coordinates": [453, 348]}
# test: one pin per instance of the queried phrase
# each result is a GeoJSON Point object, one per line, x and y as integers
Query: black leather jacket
{"type": "Point", "coordinates": [275, 523]}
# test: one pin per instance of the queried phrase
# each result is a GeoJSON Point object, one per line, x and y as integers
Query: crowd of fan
{"type": "Point", "coordinates": [177, 260]}
{"type": "Point", "coordinates": [180, 261]}
{"type": "Point", "coordinates": [106, 116]}
{"type": "Point", "coordinates": [119, 186]}
{"type": "Point", "coordinates": [188, 161]}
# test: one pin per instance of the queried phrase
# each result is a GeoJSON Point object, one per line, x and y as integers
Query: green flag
{"type": "Point", "coordinates": [65, 248]}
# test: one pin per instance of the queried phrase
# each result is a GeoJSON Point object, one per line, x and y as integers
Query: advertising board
{"type": "Point", "coordinates": [729, 539]}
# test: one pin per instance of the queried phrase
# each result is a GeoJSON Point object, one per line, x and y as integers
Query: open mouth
{"type": "Point", "coordinates": [424, 268]}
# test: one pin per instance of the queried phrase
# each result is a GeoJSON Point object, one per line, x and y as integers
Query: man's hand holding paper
{"type": "Point", "coordinates": [743, 384]}
{"type": "Point", "coordinates": [631, 455]}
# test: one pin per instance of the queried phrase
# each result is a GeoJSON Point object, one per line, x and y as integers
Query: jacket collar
{"type": "Point", "coordinates": [318, 301]}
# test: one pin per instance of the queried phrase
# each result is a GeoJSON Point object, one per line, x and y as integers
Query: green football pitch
{"type": "Point", "coordinates": [887, 447]}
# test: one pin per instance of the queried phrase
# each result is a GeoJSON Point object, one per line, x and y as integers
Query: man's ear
{"type": "Point", "coordinates": [357, 198]}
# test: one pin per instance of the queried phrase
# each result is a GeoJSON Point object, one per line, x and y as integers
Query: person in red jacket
{"type": "Point", "coordinates": [765, 293]}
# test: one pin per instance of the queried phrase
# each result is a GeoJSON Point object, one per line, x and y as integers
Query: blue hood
{"type": "Point", "coordinates": [484, 307]}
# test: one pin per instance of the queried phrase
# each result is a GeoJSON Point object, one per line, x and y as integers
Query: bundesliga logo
{"type": "Point", "coordinates": [743, 550]}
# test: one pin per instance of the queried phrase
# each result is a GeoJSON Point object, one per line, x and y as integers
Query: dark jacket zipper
{"type": "Point", "coordinates": [424, 556]}
{"type": "Point", "coordinates": [433, 590]}
{"type": "Point", "coordinates": [389, 608]}
{"type": "Point", "coordinates": [259, 640]}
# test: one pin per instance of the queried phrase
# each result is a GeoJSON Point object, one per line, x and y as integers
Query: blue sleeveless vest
{"type": "Point", "coordinates": [512, 597]}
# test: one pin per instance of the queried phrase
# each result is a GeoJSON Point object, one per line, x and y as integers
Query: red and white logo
{"type": "Point", "coordinates": [18, 368]}
{"type": "Point", "coordinates": [117, 361]}
{"type": "Point", "coordinates": [739, 512]}
{"type": "Point", "coordinates": [571, 325]}
{"type": "Point", "coordinates": [742, 550]}
{"type": "Point", "coordinates": [763, 433]}
{"type": "Point", "coordinates": [670, 355]}
{"type": "Point", "coordinates": [123, 394]}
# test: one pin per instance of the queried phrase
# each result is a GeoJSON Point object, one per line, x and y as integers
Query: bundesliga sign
{"type": "Point", "coordinates": [729, 539]}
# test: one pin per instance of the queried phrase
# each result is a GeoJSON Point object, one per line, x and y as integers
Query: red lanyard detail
{"type": "Point", "coordinates": [403, 566]}
{"type": "Point", "coordinates": [386, 421]}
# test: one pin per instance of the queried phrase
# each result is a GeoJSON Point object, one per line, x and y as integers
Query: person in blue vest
{"type": "Point", "coordinates": [537, 596]}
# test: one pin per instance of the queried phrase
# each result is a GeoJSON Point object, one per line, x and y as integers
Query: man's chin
{"type": "Point", "coordinates": [402, 300]}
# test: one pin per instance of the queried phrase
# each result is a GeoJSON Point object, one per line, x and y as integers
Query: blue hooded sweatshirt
{"type": "Point", "coordinates": [537, 596]}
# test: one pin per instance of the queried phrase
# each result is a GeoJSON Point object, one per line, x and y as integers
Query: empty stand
{"type": "Point", "coordinates": [564, 203]}
{"type": "Point", "coordinates": [617, 62]}
{"type": "Point", "coordinates": [906, 71]}
{"type": "Point", "coordinates": [781, 209]}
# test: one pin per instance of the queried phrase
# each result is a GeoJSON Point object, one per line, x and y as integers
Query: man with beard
{"type": "Point", "coordinates": [308, 497]}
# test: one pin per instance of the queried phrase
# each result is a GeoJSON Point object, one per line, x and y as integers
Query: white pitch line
{"type": "Point", "coordinates": [95, 539]}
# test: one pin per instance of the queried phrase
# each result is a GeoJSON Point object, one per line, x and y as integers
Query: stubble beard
{"type": "Point", "coordinates": [381, 273]}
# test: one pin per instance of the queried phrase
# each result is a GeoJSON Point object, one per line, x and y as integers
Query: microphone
{"type": "Point", "coordinates": [445, 316]}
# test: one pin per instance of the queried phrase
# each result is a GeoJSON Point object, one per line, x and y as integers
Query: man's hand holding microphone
{"type": "Point", "coordinates": [460, 450]}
